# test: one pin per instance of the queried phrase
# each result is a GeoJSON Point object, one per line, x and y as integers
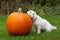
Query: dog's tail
{"type": "Point", "coordinates": [54, 28]}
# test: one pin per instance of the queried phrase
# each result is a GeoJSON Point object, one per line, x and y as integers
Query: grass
{"type": "Point", "coordinates": [54, 35]}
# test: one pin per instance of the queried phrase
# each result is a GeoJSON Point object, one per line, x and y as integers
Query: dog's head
{"type": "Point", "coordinates": [31, 13]}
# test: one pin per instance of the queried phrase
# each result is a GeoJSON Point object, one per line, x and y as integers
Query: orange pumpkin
{"type": "Point", "coordinates": [18, 23]}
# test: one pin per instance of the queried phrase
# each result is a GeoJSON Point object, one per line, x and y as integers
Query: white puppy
{"type": "Point", "coordinates": [40, 23]}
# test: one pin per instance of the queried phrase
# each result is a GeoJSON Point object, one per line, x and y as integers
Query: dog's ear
{"type": "Point", "coordinates": [34, 13]}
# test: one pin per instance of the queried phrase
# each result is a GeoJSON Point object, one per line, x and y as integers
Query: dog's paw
{"type": "Point", "coordinates": [38, 32]}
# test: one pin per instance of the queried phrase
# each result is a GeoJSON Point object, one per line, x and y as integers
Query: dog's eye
{"type": "Point", "coordinates": [30, 12]}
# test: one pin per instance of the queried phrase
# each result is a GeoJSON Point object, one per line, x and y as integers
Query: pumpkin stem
{"type": "Point", "coordinates": [19, 9]}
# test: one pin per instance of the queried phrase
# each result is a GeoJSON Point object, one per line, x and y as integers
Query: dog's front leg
{"type": "Point", "coordinates": [38, 29]}
{"type": "Point", "coordinates": [35, 28]}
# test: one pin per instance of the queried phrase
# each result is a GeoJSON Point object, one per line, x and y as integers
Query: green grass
{"type": "Point", "coordinates": [54, 35]}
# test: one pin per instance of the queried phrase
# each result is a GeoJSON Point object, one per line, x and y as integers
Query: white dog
{"type": "Point", "coordinates": [39, 23]}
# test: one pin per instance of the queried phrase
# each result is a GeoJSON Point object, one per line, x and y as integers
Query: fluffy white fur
{"type": "Point", "coordinates": [40, 23]}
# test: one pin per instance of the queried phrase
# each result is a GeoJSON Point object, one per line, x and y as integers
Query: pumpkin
{"type": "Point", "coordinates": [18, 23]}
